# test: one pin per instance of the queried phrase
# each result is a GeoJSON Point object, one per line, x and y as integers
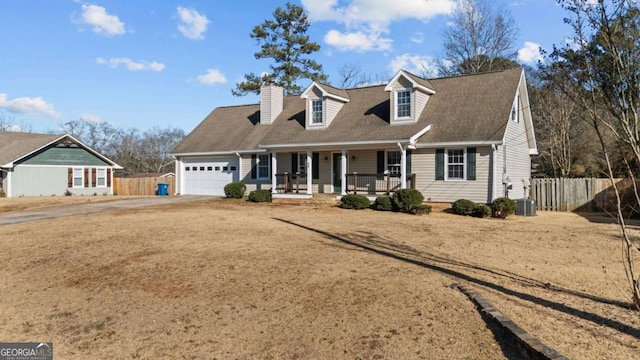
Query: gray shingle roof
{"type": "Point", "coordinates": [14, 145]}
{"type": "Point", "coordinates": [472, 108]}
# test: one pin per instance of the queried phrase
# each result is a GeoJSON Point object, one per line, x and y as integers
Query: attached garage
{"type": "Point", "coordinates": [208, 176]}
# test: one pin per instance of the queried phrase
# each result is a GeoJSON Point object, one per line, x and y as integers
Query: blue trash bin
{"type": "Point", "coordinates": [163, 189]}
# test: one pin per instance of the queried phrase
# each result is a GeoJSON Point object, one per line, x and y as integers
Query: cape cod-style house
{"type": "Point", "coordinates": [459, 137]}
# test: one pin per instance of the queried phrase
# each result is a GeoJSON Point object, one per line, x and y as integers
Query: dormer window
{"type": "Point", "coordinates": [403, 103]}
{"type": "Point", "coordinates": [316, 112]}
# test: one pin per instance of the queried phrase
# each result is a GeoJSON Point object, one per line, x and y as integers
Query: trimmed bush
{"type": "Point", "coordinates": [355, 201]}
{"type": "Point", "coordinates": [260, 196]}
{"type": "Point", "coordinates": [383, 203]}
{"type": "Point", "coordinates": [235, 190]}
{"type": "Point", "coordinates": [481, 211]}
{"type": "Point", "coordinates": [464, 207]}
{"type": "Point", "coordinates": [422, 209]}
{"type": "Point", "coordinates": [503, 207]}
{"type": "Point", "coordinates": [406, 199]}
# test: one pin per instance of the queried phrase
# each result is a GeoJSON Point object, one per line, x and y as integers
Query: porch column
{"type": "Point", "coordinates": [403, 167]}
{"type": "Point", "coordinates": [309, 171]}
{"type": "Point", "coordinates": [343, 173]}
{"type": "Point", "coordinates": [274, 171]}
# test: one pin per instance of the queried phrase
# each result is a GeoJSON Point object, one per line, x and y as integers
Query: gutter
{"type": "Point", "coordinates": [214, 153]}
{"type": "Point", "coordinates": [335, 144]}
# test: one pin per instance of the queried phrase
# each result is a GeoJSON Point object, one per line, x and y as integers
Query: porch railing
{"type": "Point", "coordinates": [377, 183]}
{"type": "Point", "coordinates": [291, 183]}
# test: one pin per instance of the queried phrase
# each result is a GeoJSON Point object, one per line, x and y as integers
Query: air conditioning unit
{"type": "Point", "coordinates": [525, 207]}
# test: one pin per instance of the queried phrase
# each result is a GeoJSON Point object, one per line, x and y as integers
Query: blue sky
{"type": "Point", "coordinates": [148, 63]}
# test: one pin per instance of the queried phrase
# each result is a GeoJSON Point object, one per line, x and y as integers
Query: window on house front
{"type": "Point", "coordinates": [455, 164]}
{"type": "Point", "coordinates": [403, 103]}
{"type": "Point", "coordinates": [394, 162]}
{"type": "Point", "coordinates": [263, 167]}
{"type": "Point", "coordinates": [101, 177]}
{"type": "Point", "coordinates": [78, 177]}
{"type": "Point", "coordinates": [316, 112]}
{"type": "Point", "coordinates": [302, 163]}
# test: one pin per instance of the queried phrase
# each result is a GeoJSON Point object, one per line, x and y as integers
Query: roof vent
{"type": "Point", "coordinates": [271, 98]}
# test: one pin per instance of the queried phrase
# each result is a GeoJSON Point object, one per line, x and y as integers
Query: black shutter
{"type": "Point", "coordinates": [254, 169]}
{"type": "Point", "coordinates": [439, 164]}
{"type": "Point", "coordinates": [380, 162]}
{"type": "Point", "coordinates": [315, 168]}
{"type": "Point", "coordinates": [270, 166]}
{"type": "Point", "coordinates": [471, 163]}
{"type": "Point", "coordinates": [294, 163]}
{"type": "Point", "coordinates": [408, 162]}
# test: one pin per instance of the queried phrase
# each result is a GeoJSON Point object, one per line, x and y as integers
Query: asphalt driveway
{"type": "Point", "coordinates": [92, 208]}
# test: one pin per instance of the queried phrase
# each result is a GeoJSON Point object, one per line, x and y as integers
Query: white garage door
{"type": "Point", "coordinates": [209, 176]}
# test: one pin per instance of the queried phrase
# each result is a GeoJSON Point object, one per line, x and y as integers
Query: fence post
{"type": "Point", "coordinates": [355, 183]}
{"type": "Point", "coordinates": [286, 182]}
{"type": "Point", "coordinates": [388, 175]}
{"type": "Point", "coordinates": [297, 182]}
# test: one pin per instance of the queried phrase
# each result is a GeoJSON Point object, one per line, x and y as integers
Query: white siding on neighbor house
{"type": "Point", "coordinates": [423, 164]}
{"type": "Point", "coordinates": [518, 160]}
{"type": "Point", "coordinates": [498, 170]}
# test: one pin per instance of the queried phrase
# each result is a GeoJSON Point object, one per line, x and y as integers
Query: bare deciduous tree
{"type": "Point", "coordinates": [479, 38]}
{"type": "Point", "coordinates": [604, 68]}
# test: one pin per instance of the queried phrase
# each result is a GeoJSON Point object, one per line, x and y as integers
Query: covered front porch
{"type": "Point", "coordinates": [300, 174]}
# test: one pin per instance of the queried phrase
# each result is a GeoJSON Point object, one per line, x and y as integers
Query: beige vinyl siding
{"type": "Point", "coordinates": [517, 157]}
{"type": "Point", "coordinates": [423, 164]}
{"type": "Point", "coordinates": [331, 109]}
{"type": "Point", "coordinates": [255, 184]}
{"type": "Point", "coordinates": [420, 103]}
{"type": "Point", "coordinates": [498, 169]}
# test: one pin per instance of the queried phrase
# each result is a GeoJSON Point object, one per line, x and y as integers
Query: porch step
{"type": "Point", "coordinates": [322, 199]}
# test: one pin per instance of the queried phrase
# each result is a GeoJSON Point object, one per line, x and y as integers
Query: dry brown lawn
{"type": "Point", "coordinates": [234, 280]}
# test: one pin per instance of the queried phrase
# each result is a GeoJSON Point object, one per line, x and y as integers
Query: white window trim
{"type": "Point", "coordinates": [464, 165]}
{"type": "Point", "coordinates": [258, 165]}
{"type": "Point", "coordinates": [321, 123]}
{"type": "Point", "coordinates": [98, 177]}
{"type": "Point", "coordinates": [395, 105]}
{"type": "Point", "coordinates": [73, 183]}
{"type": "Point", "coordinates": [386, 162]}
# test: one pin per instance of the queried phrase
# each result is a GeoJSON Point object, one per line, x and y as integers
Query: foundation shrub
{"type": "Point", "coordinates": [235, 190]}
{"type": "Point", "coordinates": [354, 201]}
{"type": "Point", "coordinates": [260, 196]}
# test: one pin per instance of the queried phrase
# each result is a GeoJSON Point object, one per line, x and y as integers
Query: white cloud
{"type": "Point", "coordinates": [29, 106]}
{"type": "Point", "coordinates": [192, 24]}
{"type": "Point", "coordinates": [90, 118]}
{"type": "Point", "coordinates": [357, 41]}
{"type": "Point", "coordinates": [131, 65]}
{"type": "Point", "coordinates": [420, 65]}
{"type": "Point", "coordinates": [417, 38]}
{"type": "Point", "coordinates": [530, 53]}
{"type": "Point", "coordinates": [103, 23]}
{"type": "Point", "coordinates": [366, 20]}
{"type": "Point", "coordinates": [212, 76]}
{"type": "Point", "coordinates": [376, 11]}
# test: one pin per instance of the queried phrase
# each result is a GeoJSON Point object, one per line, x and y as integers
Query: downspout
{"type": "Point", "coordinates": [239, 165]}
{"type": "Point", "coordinates": [403, 167]}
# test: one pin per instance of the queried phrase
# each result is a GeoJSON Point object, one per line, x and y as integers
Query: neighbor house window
{"type": "Point", "coordinates": [394, 162]}
{"type": "Point", "coordinates": [403, 103]}
{"type": "Point", "coordinates": [263, 167]}
{"type": "Point", "coordinates": [455, 164]}
{"type": "Point", "coordinates": [78, 177]}
{"type": "Point", "coordinates": [101, 177]}
{"type": "Point", "coordinates": [316, 112]}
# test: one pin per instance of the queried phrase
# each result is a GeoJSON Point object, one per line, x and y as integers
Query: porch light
{"type": "Point", "coordinates": [353, 157]}
{"type": "Point", "coordinates": [326, 158]}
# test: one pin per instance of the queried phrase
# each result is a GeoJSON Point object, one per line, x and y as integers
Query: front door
{"type": "Point", "coordinates": [337, 168]}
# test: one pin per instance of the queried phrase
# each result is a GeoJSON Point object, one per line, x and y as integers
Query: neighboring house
{"type": "Point", "coordinates": [45, 165]}
{"type": "Point", "coordinates": [459, 137]}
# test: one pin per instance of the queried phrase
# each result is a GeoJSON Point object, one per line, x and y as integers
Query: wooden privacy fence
{"type": "Point", "coordinates": [142, 186]}
{"type": "Point", "coordinates": [569, 194]}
